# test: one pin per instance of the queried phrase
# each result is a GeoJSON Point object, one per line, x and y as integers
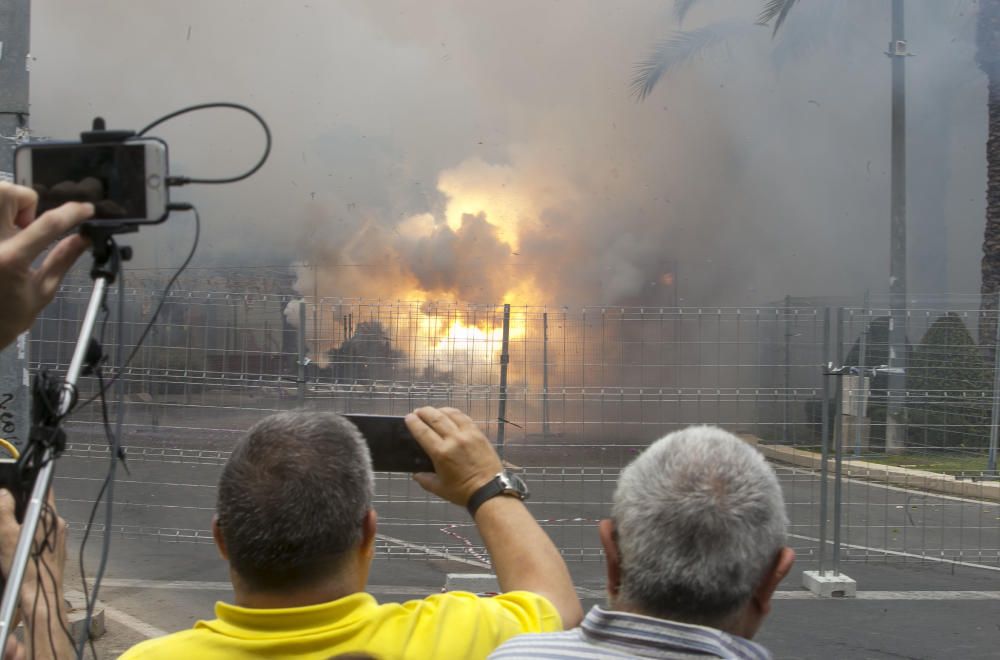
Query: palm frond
{"type": "Point", "coordinates": [777, 11]}
{"type": "Point", "coordinates": [677, 49]}
{"type": "Point", "coordinates": [681, 8]}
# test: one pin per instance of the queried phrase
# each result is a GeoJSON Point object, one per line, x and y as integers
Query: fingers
{"type": "Point", "coordinates": [17, 207]}
{"type": "Point", "coordinates": [14, 650]}
{"type": "Point", "coordinates": [439, 420]}
{"type": "Point", "coordinates": [420, 424]}
{"type": "Point", "coordinates": [57, 262]}
{"type": "Point", "coordinates": [6, 503]}
{"type": "Point", "coordinates": [31, 240]}
{"type": "Point", "coordinates": [459, 418]}
{"type": "Point", "coordinates": [428, 481]}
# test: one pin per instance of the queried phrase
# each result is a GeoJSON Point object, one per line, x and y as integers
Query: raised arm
{"type": "Point", "coordinates": [524, 556]}
{"type": "Point", "coordinates": [24, 289]}
{"type": "Point", "coordinates": [42, 600]}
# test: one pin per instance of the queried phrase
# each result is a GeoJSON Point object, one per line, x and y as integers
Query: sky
{"type": "Point", "coordinates": [492, 152]}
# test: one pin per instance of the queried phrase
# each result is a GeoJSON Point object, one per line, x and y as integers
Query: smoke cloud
{"type": "Point", "coordinates": [490, 152]}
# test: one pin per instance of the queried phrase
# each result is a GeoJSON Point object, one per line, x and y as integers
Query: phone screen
{"type": "Point", "coordinates": [111, 176]}
{"type": "Point", "coordinates": [391, 445]}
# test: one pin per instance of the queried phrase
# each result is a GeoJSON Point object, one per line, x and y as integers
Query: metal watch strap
{"type": "Point", "coordinates": [491, 489]}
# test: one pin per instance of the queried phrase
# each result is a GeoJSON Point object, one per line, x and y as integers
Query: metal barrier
{"type": "Point", "coordinates": [586, 389]}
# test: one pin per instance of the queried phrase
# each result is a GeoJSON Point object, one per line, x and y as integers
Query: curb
{"type": "Point", "coordinates": [77, 605]}
{"type": "Point", "coordinates": [886, 474]}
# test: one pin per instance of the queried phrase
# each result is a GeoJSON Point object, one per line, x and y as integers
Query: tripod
{"type": "Point", "coordinates": [46, 440]}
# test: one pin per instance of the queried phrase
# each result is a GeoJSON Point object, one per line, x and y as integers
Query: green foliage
{"type": "Point", "coordinates": [950, 387]}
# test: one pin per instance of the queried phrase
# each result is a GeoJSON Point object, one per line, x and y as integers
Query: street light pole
{"type": "Point", "coordinates": [895, 434]}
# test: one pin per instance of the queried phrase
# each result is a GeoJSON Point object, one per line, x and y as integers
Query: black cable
{"type": "Point", "coordinates": [184, 180]}
{"type": "Point", "coordinates": [112, 469]}
{"type": "Point", "coordinates": [107, 486]}
{"type": "Point", "coordinates": [78, 644]}
{"type": "Point", "coordinates": [62, 622]}
{"type": "Point", "coordinates": [114, 438]}
{"type": "Point", "coordinates": [159, 306]}
{"type": "Point", "coordinates": [49, 528]}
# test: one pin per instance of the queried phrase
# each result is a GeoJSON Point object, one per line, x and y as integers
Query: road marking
{"type": "Point", "coordinates": [896, 595]}
{"type": "Point", "coordinates": [899, 553]}
{"type": "Point", "coordinates": [431, 551]}
{"type": "Point", "coordinates": [422, 591]}
{"type": "Point", "coordinates": [146, 630]}
{"type": "Point", "coordinates": [871, 482]}
{"type": "Point", "coordinates": [192, 585]}
{"type": "Point", "coordinates": [166, 584]}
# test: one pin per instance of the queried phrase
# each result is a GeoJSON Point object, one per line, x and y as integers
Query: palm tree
{"type": "Point", "coordinates": [988, 57]}
{"type": "Point", "coordinates": [682, 46]}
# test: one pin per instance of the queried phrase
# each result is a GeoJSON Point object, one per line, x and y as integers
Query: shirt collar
{"type": "Point", "coordinates": [237, 621]}
{"type": "Point", "coordinates": [650, 632]}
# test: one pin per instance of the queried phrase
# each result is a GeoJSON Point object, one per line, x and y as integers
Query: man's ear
{"type": "Point", "coordinates": [612, 557]}
{"type": "Point", "coordinates": [368, 526]}
{"type": "Point", "coordinates": [765, 590]}
{"type": "Point", "coordinates": [220, 542]}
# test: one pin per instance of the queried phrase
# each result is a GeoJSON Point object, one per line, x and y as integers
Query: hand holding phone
{"type": "Point", "coordinates": [125, 181]}
{"type": "Point", "coordinates": [390, 443]}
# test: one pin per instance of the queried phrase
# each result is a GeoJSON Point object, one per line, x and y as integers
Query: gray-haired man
{"type": "Point", "coordinates": [695, 549]}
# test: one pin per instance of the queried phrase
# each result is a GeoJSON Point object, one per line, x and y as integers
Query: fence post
{"type": "Point", "coordinates": [862, 395]}
{"type": "Point", "coordinates": [991, 461]}
{"type": "Point", "coordinates": [824, 444]}
{"type": "Point", "coordinates": [302, 352]}
{"type": "Point", "coordinates": [545, 374]}
{"type": "Point", "coordinates": [839, 444]}
{"type": "Point", "coordinates": [788, 364]}
{"type": "Point", "coordinates": [823, 582]}
{"type": "Point", "coordinates": [504, 360]}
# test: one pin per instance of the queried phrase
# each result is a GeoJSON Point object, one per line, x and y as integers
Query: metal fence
{"type": "Point", "coordinates": [569, 395]}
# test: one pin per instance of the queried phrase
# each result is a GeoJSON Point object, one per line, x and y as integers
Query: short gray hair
{"type": "Point", "coordinates": [699, 519]}
{"type": "Point", "coordinates": [292, 498]}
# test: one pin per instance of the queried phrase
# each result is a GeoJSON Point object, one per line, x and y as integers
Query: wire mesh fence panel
{"type": "Point", "coordinates": [585, 389]}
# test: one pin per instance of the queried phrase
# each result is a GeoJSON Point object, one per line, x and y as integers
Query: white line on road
{"type": "Point", "coordinates": [872, 482]}
{"type": "Point", "coordinates": [390, 590]}
{"type": "Point", "coordinates": [899, 553]}
{"type": "Point", "coordinates": [192, 585]}
{"type": "Point", "coordinates": [146, 630]}
{"type": "Point", "coordinates": [431, 551]}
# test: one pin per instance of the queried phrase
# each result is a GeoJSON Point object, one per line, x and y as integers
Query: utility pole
{"type": "Point", "coordinates": [895, 432]}
{"type": "Point", "coordinates": [15, 395]}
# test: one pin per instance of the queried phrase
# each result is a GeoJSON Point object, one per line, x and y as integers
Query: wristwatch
{"type": "Point", "coordinates": [505, 483]}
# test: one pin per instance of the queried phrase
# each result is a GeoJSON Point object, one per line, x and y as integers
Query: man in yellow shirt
{"type": "Point", "coordinates": [295, 522]}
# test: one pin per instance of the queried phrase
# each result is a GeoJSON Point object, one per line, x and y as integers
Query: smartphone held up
{"type": "Point", "coordinates": [390, 443]}
{"type": "Point", "coordinates": [126, 181]}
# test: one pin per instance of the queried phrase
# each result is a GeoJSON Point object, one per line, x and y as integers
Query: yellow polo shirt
{"type": "Point", "coordinates": [456, 624]}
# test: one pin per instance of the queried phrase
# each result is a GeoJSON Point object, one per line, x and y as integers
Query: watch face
{"type": "Point", "coordinates": [513, 485]}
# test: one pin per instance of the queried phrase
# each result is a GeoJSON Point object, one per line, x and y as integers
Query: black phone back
{"type": "Point", "coordinates": [393, 448]}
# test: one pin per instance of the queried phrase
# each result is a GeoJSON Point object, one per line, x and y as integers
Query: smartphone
{"type": "Point", "coordinates": [391, 445]}
{"type": "Point", "coordinates": [125, 181]}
